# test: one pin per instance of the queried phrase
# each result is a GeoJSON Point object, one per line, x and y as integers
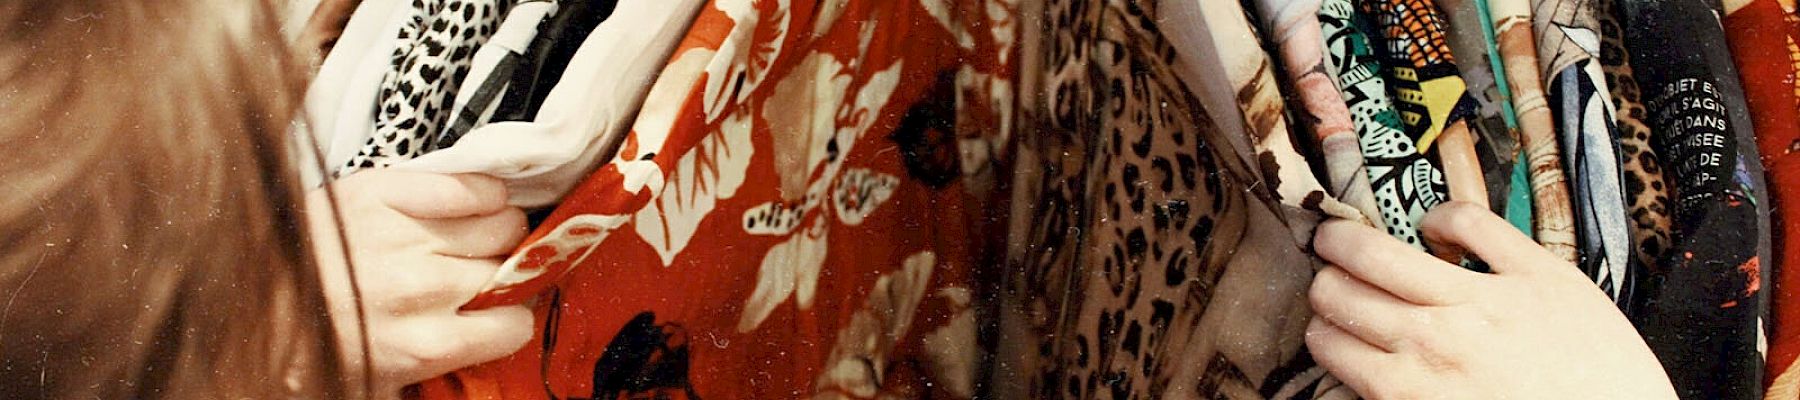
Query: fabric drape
{"type": "Point", "coordinates": [796, 211]}
{"type": "Point", "coordinates": [1405, 182]}
{"type": "Point", "coordinates": [434, 52]}
{"type": "Point", "coordinates": [1294, 29]}
{"type": "Point", "coordinates": [585, 119]}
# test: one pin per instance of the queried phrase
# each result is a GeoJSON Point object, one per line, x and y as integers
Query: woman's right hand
{"type": "Point", "coordinates": [1396, 323]}
{"type": "Point", "coordinates": [423, 244]}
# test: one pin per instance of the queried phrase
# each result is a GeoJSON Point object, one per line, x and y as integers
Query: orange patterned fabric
{"type": "Point", "coordinates": [1430, 91]}
{"type": "Point", "coordinates": [797, 212]}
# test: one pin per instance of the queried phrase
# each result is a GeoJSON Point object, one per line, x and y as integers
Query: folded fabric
{"type": "Point", "coordinates": [1568, 47]}
{"type": "Point", "coordinates": [435, 51]}
{"type": "Point", "coordinates": [797, 211]}
{"type": "Point", "coordinates": [1250, 107]}
{"type": "Point", "coordinates": [493, 67]}
{"type": "Point", "coordinates": [1492, 120]}
{"type": "Point", "coordinates": [585, 118]}
{"type": "Point", "coordinates": [1553, 219]}
{"type": "Point", "coordinates": [1646, 194]}
{"type": "Point", "coordinates": [1294, 28]}
{"type": "Point", "coordinates": [550, 53]}
{"type": "Point", "coordinates": [1405, 182]}
{"type": "Point", "coordinates": [1433, 99]}
{"type": "Point", "coordinates": [1703, 304]}
{"type": "Point", "coordinates": [340, 100]}
{"type": "Point", "coordinates": [1763, 36]}
{"type": "Point", "coordinates": [1189, 278]}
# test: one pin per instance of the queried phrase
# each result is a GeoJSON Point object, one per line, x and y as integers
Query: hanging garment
{"type": "Point", "coordinates": [1109, 283]}
{"type": "Point", "coordinates": [435, 50]}
{"type": "Point", "coordinates": [797, 211]}
{"type": "Point", "coordinates": [493, 68]}
{"type": "Point", "coordinates": [1553, 219]}
{"type": "Point", "coordinates": [1432, 98]}
{"type": "Point", "coordinates": [1763, 36]}
{"type": "Point", "coordinates": [550, 53]}
{"type": "Point", "coordinates": [1567, 55]}
{"type": "Point", "coordinates": [1646, 195]}
{"type": "Point", "coordinates": [1703, 304]}
{"type": "Point", "coordinates": [340, 100]}
{"type": "Point", "coordinates": [1492, 120]}
{"type": "Point", "coordinates": [585, 118]}
{"type": "Point", "coordinates": [1294, 27]}
{"type": "Point", "coordinates": [1405, 182]}
{"type": "Point", "coordinates": [1252, 109]}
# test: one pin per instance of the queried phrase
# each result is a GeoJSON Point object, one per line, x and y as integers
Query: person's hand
{"type": "Point", "coordinates": [1393, 322]}
{"type": "Point", "coordinates": [422, 245]}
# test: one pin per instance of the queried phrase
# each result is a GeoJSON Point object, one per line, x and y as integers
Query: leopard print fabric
{"type": "Point", "coordinates": [1646, 196]}
{"type": "Point", "coordinates": [437, 47]}
{"type": "Point", "coordinates": [1137, 213]}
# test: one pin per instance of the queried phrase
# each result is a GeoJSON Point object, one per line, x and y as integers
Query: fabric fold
{"type": "Point", "coordinates": [584, 119]}
{"type": "Point", "coordinates": [340, 101]}
{"type": "Point", "coordinates": [1432, 97]}
{"type": "Point", "coordinates": [1406, 183]}
{"type": "Point", "coordinates": [1294, 28]}
{"type": "Point", "coordinates": [434, 53]}
{"type": "Point", "coordinates": [1646, 194]}
{"type": "Point", "coordinates": [492, 69]}
{"type": "Point", "coordinates": [1553, 219]}
{"type": "Point", "coordinates": [560, 38]}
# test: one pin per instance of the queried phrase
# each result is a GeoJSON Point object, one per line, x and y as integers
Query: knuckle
{"type": "Point", "coordinates": [1460, 216]}
{"type": "Point", "coordinates": [437, 346]}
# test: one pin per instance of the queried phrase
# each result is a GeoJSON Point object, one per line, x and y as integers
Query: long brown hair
{"type": "Point", "coordinates": [151, 237]}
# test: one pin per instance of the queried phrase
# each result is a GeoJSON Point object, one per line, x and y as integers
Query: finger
{"type": "Point", "coordinates": [434, 285]}
{"type": "Point", "coordinates": [1389, 264]}
{"type": "Point", "coordinates": [1373, 315]}
{"type": "Point", "coordinates": [482, 236]}
{"type": "Point", "coordinates": [437, 344]}
{"type": "Point", "coordinates": [427, 195]}
{"type": "Point", "coordinates": [1357, 363]}
{"type": "Point", "coordinates": [1463, 227]}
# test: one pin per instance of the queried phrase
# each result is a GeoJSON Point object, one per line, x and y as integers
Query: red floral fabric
{"type": "Point", "coordinates": [1762, 34]}
{"type": "Point", "coordinates": [797, 212]}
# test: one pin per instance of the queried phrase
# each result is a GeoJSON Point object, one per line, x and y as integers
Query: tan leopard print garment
{"type": "Point", "coordinates": [1646, 196]}
{"type": "Point", "coordinates": [1150, 256]}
